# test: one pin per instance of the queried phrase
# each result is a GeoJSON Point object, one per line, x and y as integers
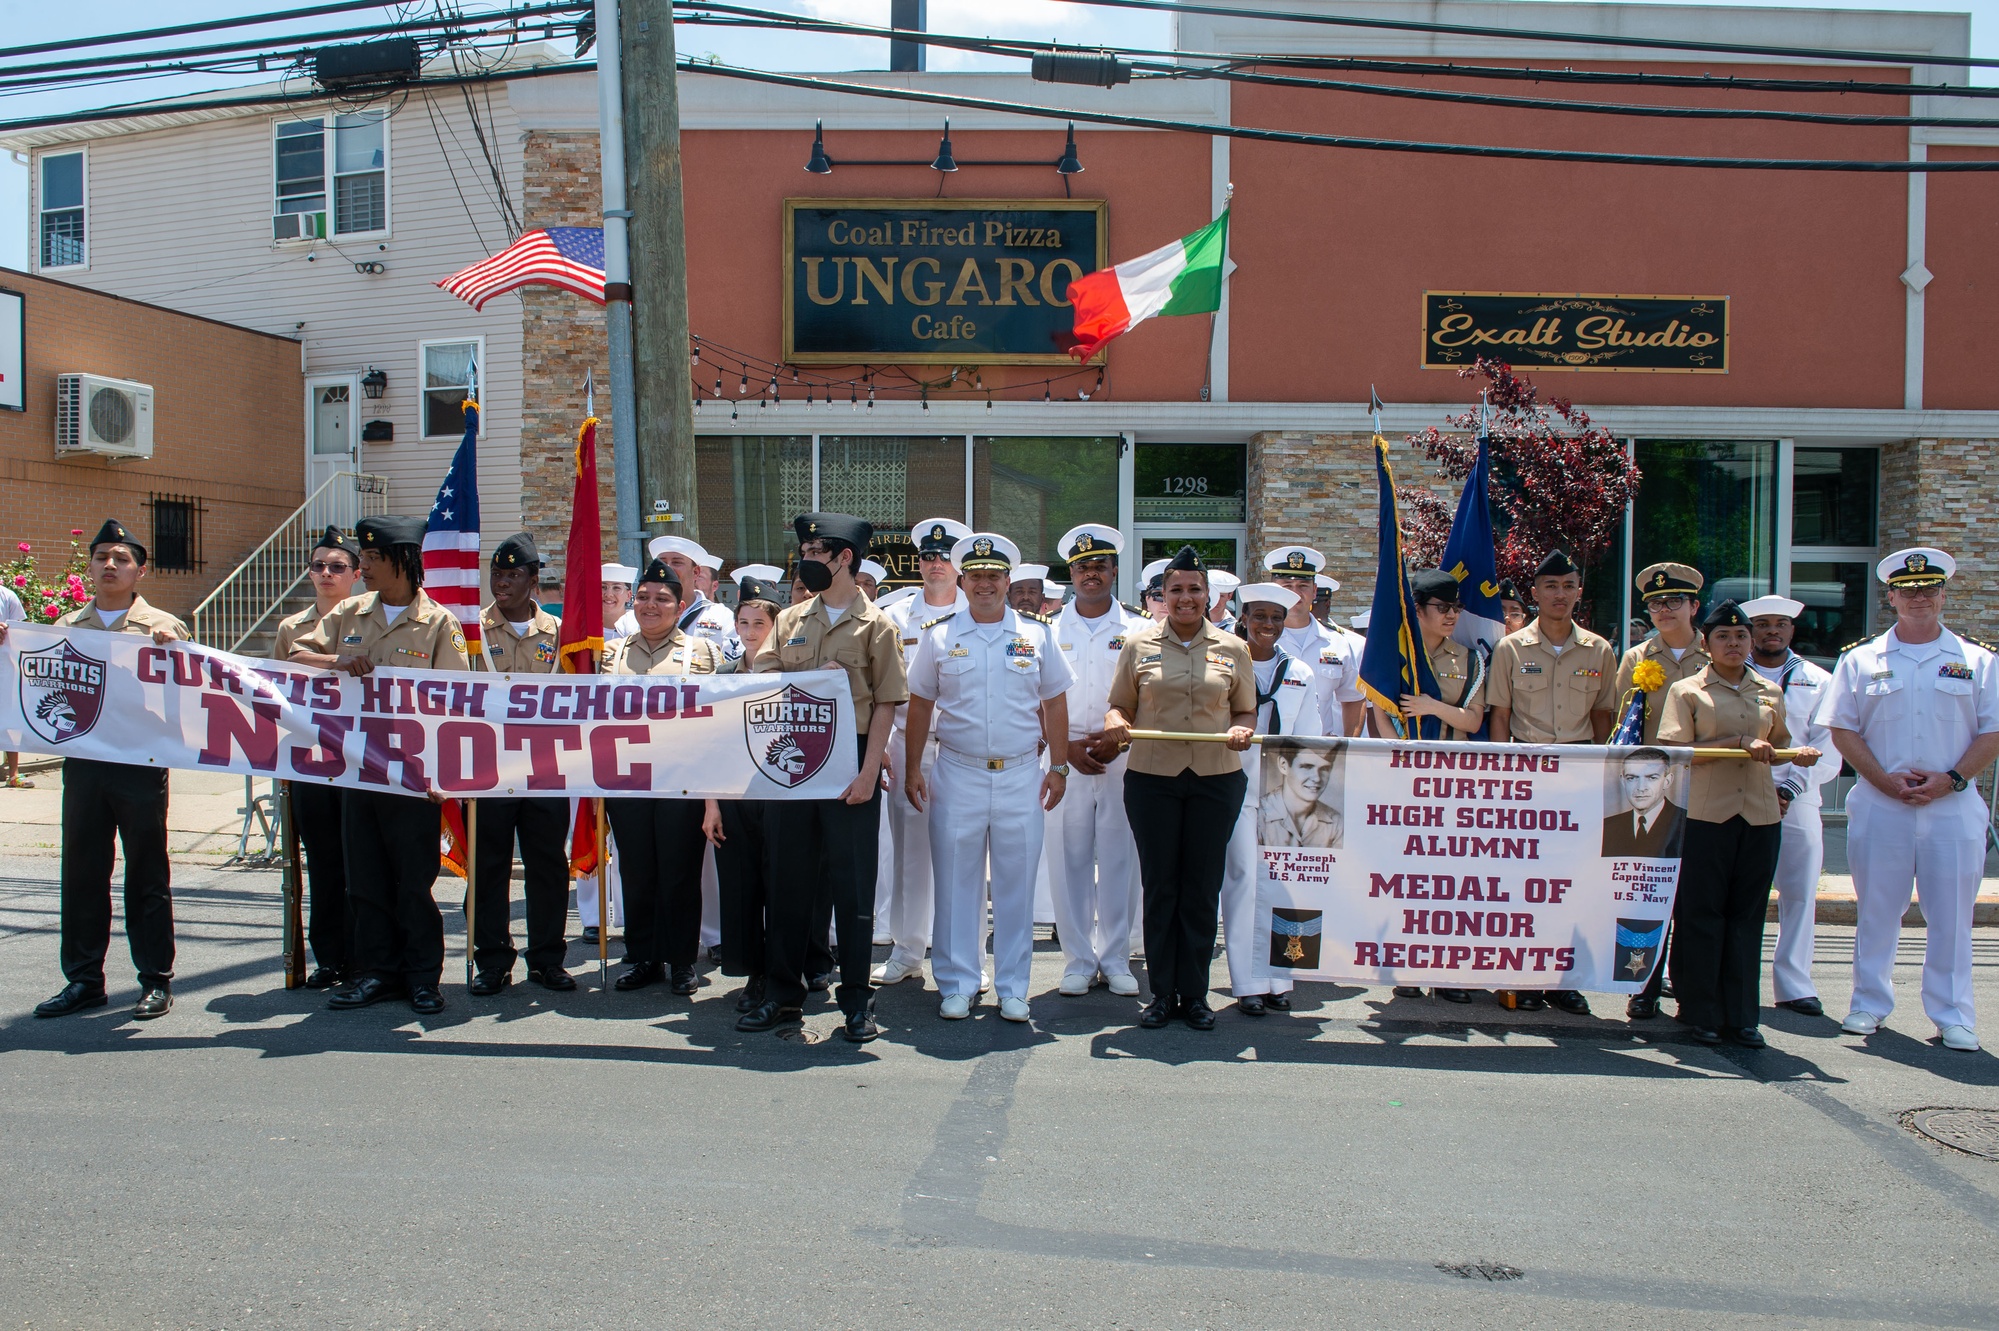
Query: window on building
{"type": "Point", "coordinates": [1034, 488]}
{"type": "Point", "coordinates": [1189, 483]}
{"type": "Point", "coordinates": [450, 373]}
{"type": "Point", "coordinates": [356, 184]}
{"type": "Point", "coordinates": [176, 544]}
{"type": "Point", "coordinates": [62, 210]}
{"type": "Point", "coordinates": [1834, 502]}
{"type": "Point", "coordinates": [1711, 504]}
{"type": "Point", "coordinates": [751, 486]}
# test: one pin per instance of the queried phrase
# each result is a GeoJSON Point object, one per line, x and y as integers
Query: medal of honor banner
{"type": "Point", "coordinates": [1467, 866]}
{"type": "Point", "coordinates": [117, 697]}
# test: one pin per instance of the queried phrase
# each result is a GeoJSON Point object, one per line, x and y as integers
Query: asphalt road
{"type": "Point", "coordinates": [624, 1160]}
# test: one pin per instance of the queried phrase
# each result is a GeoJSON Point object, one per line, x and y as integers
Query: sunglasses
{"type": "Point", "coordinates": [331, 566]}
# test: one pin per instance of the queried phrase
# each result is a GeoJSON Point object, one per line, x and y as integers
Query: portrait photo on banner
{"type": "Point", "coordinates": [1645, 803]}
{"type": "Point", "coordinates": [1302, 793]}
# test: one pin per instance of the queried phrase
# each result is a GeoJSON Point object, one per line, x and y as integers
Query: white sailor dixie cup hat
{"type": "Point", "coordinates": [1295, 561]}
{"type": "Point", "coordinates": [984, 550]}
{"type": "Point", "coordinates": [1773, 605]}
{"type": "Point", "coordinates": [624, 573]}
{"type": "Point", "coordinates": [680, 545]}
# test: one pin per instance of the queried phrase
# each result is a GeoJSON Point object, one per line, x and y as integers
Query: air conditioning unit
{"type": "Point", "coordinates": [109, 417]}
{"type": "Point", "coordinates": [298, 226]}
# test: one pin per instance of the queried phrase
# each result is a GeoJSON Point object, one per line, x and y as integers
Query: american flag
{"type": "Point", "coordinates": [451, 536]}
{"type": "Point", "coordinates": [570, 257]}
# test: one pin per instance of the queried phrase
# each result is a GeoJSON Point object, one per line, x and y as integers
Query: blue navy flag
{"type": "Point", "coordinates": [1470, 556]}
{"type": "Point", "coordinates": [1394, 662]}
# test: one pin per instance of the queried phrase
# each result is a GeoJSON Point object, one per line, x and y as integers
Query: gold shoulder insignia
{"type": "Point", "coordinates": [1978, 641]}
{"type": "Point", "coordinates": [1035, 616]}
{"type": "Point", "coordinates": [933, 623]}
{"type": "Point", "coordinates": [1862, 642]}
{"type": "Point", "coordinates": [1140, 611]}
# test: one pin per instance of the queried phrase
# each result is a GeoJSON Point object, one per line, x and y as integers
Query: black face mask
{"type": "Point", "coordinates": [816, 576]}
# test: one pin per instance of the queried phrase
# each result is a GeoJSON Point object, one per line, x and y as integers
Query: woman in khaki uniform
{"type": "Point", "coordinates": [1729, 855]}
{"type": "Point", "coordinates": [659, 840]}
{"type": "Point", "coordinates": [1182, 797]}
{"type": "Point", "coordinates": [1460, 671]}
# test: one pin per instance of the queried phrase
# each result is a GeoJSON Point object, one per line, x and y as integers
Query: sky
{"type": "Point", "coordinates": [34, 21]}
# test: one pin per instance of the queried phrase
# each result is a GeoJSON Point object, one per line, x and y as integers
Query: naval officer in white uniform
{"type": "Point", "coordinates": [1333, 654]}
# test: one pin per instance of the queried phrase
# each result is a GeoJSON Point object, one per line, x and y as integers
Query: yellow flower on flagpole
{"type": "Point", "coordinates": [1649, 676]}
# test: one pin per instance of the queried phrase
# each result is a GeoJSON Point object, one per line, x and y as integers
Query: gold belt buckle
{"type": "Point", "coordinates": [995, 764]}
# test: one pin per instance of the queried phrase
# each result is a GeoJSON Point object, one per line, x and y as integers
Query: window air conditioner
{"type": "Point", "coordinates": [109, 417]}
{"type": "Point", "coordinates": [298, 226]}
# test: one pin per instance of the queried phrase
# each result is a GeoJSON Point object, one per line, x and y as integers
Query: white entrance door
{"type": "Point", "coordinates": [332, 446]}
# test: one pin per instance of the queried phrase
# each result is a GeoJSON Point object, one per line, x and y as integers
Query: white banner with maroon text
{"type": "Point", "coordinates": [1467, 866]}
{"type": "Point", "coordinates": [120, 698]}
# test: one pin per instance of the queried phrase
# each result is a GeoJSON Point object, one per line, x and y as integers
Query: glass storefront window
{"type": "Point", "coordinates": [1216, 552]}
{"type": "Point", "coordinates": [893, 481]}
{"type": "Point", "coordinates": [750, 487]}
{"type": "Point", "coordinates": [1032, 489]}
{"type": "Point", "coordinates": [1837, 600]}
{"type": "Point", "coordinates": [1833, 496]}
{"type": "Point", "coordinates": [1711, 504]}
{"type": "Point", "coordinates": [1190, 483]}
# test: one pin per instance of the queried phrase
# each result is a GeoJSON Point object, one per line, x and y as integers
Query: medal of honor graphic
{"type": "Point", "coordinates": [1637, 947]}
{"type": "Point", "coordinates": [1294, 938]}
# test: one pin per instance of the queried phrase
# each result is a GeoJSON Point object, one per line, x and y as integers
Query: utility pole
{"type": "Point", "coordinates": [664, 405]}
{"type": "Point", "coordinates": [618, 287]}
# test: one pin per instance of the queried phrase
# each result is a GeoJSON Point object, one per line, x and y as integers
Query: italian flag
{"type": "Point", "coordinates": [1182, 278]}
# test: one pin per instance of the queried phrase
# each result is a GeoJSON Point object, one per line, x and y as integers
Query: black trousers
{"type": "Point", "coordinates": [101, 801]}
{"type": "Point", "coordinates": [659, 862]}
{"type": "Point", "coordinates": [824, 853]}
{"type": "Point", "coordinates": [1182, 824]}
{"type": "Point", "coordinates": [392, 860]}
{"type": "Point", "coordinates": [541, 826]}
{"type": "Point", "coordinates": [1725, 875]}
{"type": "Point", "coordinates": [744, 873]}
{"type": "Point", "coordinates": [329, 926]}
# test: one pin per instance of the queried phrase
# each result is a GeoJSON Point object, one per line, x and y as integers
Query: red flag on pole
{"type": "Point", "coordinates": [582, 641]}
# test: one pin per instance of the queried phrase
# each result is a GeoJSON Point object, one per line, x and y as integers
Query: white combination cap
{"type": "Point", "coordinates": [937, 535]}
{"type": "Point", "coordinates": [1295, 561]}
{"type": "Point", "coordinates": [1089, 541]}
{"type": "Point", "coordinates": [1918, 566]}
{"type": "Point", "coordinates": [1327, 584]}
{"type": "Point", "coordinates": [984, 550]}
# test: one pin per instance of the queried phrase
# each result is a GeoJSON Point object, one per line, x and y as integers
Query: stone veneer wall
{"type": "Point", "coordinates": [1940, 492]}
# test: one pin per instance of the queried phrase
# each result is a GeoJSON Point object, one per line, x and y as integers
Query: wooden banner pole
{"type": "Point", "coordinates": [603, 903]}
{"type": "Point", "coordinates": [1186, 736]}
{"type": "Point", "coordinates": [471, 883]}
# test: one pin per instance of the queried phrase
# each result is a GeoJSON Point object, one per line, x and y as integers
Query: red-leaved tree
{"type": "Point", "coordinates": [1557, 480]}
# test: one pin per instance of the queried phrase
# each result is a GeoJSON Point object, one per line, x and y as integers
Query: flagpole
{"type": "Point", "coordinates": [603, 903]}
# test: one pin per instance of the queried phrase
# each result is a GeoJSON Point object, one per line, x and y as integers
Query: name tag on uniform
{"type": "Point", "coordinates": [959, 651]}
{"type": "Point", "coordinates": [794, 642]}
{"type": "Point", "coordinates": [1149, 660]}
{"type": "Point", "coordinates": [351, 639]}
{"type": "Point", "coordinates": [1954, 670]}
{"type": "Point", "coordinates": [1067, 646]}
{"type": "Point", "coordinates": [1531, 668]}
{"type": "Point", "coordinates": [1882, 674]}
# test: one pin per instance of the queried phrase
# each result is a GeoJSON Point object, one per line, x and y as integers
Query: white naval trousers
{"type": "Point", "coordinates": [976, 814]}
{"type": "Point", "coordinates": [1093, 872]}
{"type": "Point", "coordinates": [1799, 860]}
{"type": "Point", "coordinates": [586, 896]}
{"type": "Point", "coordinates": [913, 904]}
{"type": "Point", "coordinates": [1240, 935]}
{"type": "Point", "coordinates": [1940, 850]}
{"type": "Point", "coordinates": [711, 898]}
{"type": "Point", "coordinates": [885, 866]}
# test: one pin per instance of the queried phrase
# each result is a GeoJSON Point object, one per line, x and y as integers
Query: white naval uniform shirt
{"type": "Point", "coordinates": [1335, 661]}
{"type": "Point", "coordinates": [909, 615]}
{"type": "Point", "coordinates": [1092, 647]}
{"type": "Point", "coordinates": [1804, 686]}
{"type": "Point", "coordinates": [1917, 706]}
{"type": "Point", "coordinates": [988, 681]}
{"type": "Point", "coordinates": [1294, 710]}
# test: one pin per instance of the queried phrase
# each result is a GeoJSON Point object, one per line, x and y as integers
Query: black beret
{"type": "Point", "coordinates": [855, 533]}
{"type": "Point", "coordinates": [1433, 584]}
{"type": "Point", "coordinates": [113, 532]}
{"type": "Point", "coordinates": [1509, 592]}
{"type": "Point", "coordinates": [1556, 565]}
{"type": "Point", "coordinates": [335, 539]}
{"type": "Point", "coordinates": [517, 551]}
{"type": "Point", "coordinates": [383, 532]}
{"type": "Point", "coordinates": [754, 589]}
{"type": "Point", "coordinates": [1188, 560]}
{"type": "Point", "coordinates": [657, 571]}
{"type": "Point", "coordinates": [1727, 615]}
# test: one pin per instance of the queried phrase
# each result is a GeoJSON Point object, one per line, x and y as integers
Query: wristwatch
{"type": "Point", "coordinates": [1062, 769]}
{"type": "Point", "coordinates": [1956, 782]}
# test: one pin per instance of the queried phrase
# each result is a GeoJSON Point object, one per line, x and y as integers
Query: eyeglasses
{"type": "Point", "coordinates": [331, 566]}
{"type": "Point", "coordinates": [1919, 593]}
{"type": "Point", "coordinates": [1668, 602]}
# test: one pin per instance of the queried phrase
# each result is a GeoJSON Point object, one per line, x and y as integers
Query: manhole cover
{"type": "Point", "coordinates": [1973, 1131]}
{"type": "Point", "coordinates": [799, 1035]}
{"type": "Point", "coordinates": [1480, 1270]}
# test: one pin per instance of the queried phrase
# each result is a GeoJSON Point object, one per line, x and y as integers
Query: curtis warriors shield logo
{"type": "Point", "coordinates": [62, 691]}
{"type": "Point", "coordinates": [790, 734]}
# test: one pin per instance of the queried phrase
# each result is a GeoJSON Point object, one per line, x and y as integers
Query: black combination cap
{"type": "Point", "coordinates": [1556, 565]}
{"type": "Point", "coordinates": [854, 533]}
{"type": "Point", "coordinates": [657, 571]}
{"type": "Point", "coordinates": [335, 539]}
{"type": "Point", "coordinates": [113, 532]}
{"type": "Point", "coordinates": [517, 551]}
{"type": "Point", "coordinates": [1433, 584]}
{"type": "Point", "coordinates": [1727, 615]}
{"type": "Point", "coordinates": [383, 532]}
{"type": "Point", "coordinates": [1187, 560]}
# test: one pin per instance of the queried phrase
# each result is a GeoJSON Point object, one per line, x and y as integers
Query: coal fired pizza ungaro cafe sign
{"type": "Point", "coordinates": [938, 282]}
{"type": "Point", "coordinates": [1560, 331]}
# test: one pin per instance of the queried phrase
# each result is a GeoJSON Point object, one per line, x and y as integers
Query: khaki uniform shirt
{"type": "Point", "coordinates": [535, 654]}
{"type": "Point", "coordinates": [140, 618]}
{"type": "Point", "coordinates": [290, 629]}
{"type": "Point", "coordinates": [1452, 662]}
{"type": "Point", "coordinates": [1691, 663]}
{"type": "Point", "coordinates": [1162, 685]}
{"type": "Point", "coordinates": [865, 643]}
{"type": "Point", "coordinates": [675, 654]}
{"type": "Point", "coordinates": [1706, 708]}
{"type": "Point", "coordinates": [1552, 696]}
{"type": "Point", "coordinates": [425, 635]}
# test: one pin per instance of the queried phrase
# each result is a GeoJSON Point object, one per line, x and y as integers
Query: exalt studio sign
{"type": "Point", "coordinates": [1558, 331]}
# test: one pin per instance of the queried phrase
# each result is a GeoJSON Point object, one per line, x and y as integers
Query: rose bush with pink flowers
{"type": "Point", "coordinates": [47, 599]}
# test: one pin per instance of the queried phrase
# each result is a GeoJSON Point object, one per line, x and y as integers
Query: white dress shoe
{"type": "Point", "coordinates": [1075, 983]}
{"type": "Point", "coordinates": [955, 1007]}
{"type": "Point", "coordinates": [1961, 1038]}
{"type": "Point", "coordinates": [1860, 1023]}
{"type": "Point", "coordinates": [1015, 1009]}
{"type": "Point", "coordinates": [895, 971]}
{"type": "Point", "coordinates": [1124, 986]}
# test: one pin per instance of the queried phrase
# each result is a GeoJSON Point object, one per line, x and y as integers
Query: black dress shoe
{"type": "Point", "coordinates": [1804, 1007]}
{"type": "Point", "coordinates": [75, 997]}
{"type": "Point", "coordinates": [822, 982]}
{"type": "Point", "coordinates": [364, 992]}
{"type": "Point", "coordinates": [1707, 1035]}
{"type": "Point", "coordinates": [553, 977]}
{"type": "Point", "coordinates": [1748, 1037]}
{"type": "Point", "coordinates": [752, 995]}
{"type": "Point", "coordinates": [426, 1000]}
{"type": "Point", "coordinates": [325, 977]}
{"type": "Point", "coordinates": [1531, 1001]}
{"type": "Point", "coordinates": [1251, 1005]}
{"type": "Point", "coordinates": [685, 981]}
{"type": "Point", "coordinates": [1156, 1013]}
{"type": "Point", "coordinates": [768, 1015]}
{"type": "Point", "coordinates": [1408, 991]}
{"type": "Point", "coordinates": [639, 976]}
{"type": "Point", "coordinates": [156, 1001]}
{"type": "Point", "coordinates": [861, 1026]}
{"type": "Point", "coordinates": [589, 933]}
{"type": "Point", "coordinates": [1452, 995]}
{"type": "Point", "coordinates": [1197, 1014]}
{"type": "Point", "coordinates": [1277, 1002]}
{"type": "Point", "coordinates": [487, 983]}
{"type": "Point", "coordinates": [1641, 1008]}
{"type": "Point", "coordinates": [1570, 1001]}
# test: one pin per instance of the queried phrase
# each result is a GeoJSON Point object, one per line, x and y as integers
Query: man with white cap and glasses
{"type": "Point", "coordinates": [1916, 712]}
{"type": "Point", "coordinates": [1333, 654]}
{"type": "Point", "coordinates": [702, 617]}
{"type": "Point", "coordinates": [1772, 622]}
{"type": "Point", "coordinates": [992, 680]}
